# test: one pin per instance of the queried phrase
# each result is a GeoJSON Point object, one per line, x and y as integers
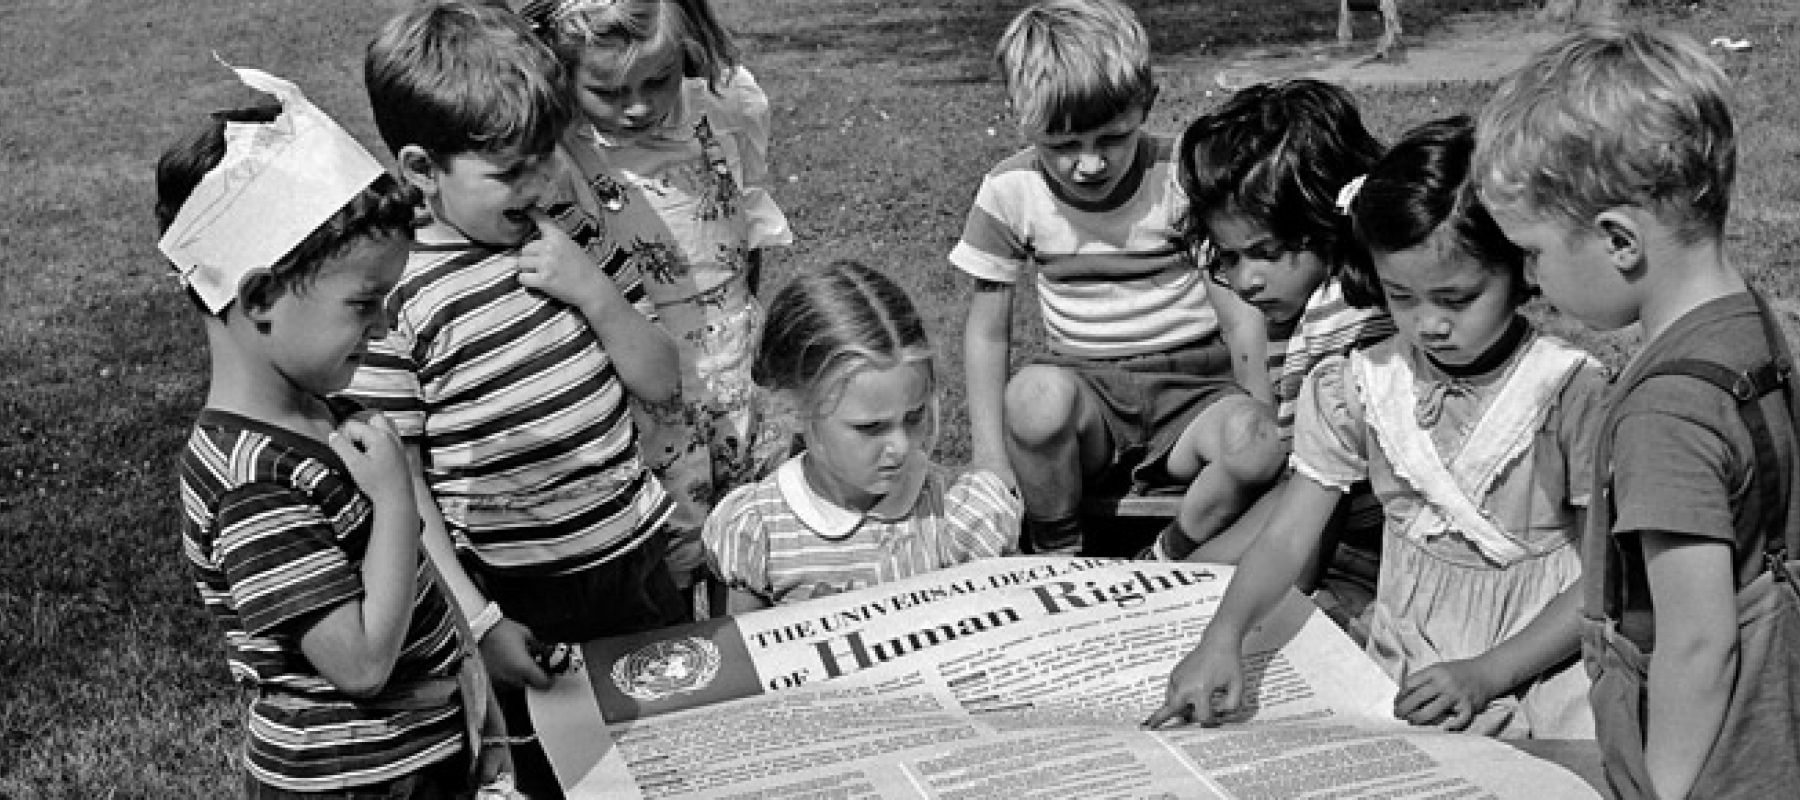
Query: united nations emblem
{"type": "Point", "coordinates": [667, 668]}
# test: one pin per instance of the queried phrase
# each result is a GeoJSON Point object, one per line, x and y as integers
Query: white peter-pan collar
{"type": "Point", "coordinates": [833, 521]}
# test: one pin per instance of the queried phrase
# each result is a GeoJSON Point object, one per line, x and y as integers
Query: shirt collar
{"type": "Point", "coordinates": [833, 521]}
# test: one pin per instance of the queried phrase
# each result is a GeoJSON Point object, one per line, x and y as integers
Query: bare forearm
{"type": "Point", "coordinates": [389, 570]}
{"type": "Point", "coordinates": [1695, 660]}
{"type": "Point", "coordinates": [986, 353]}
{"type": "Point", "coordinates": [1688, 695]}
{"type": "Point", "coordinates": [434, 535]}
{"type": "Point", "coordinates": [641, 351]}
{"type": "Point", "coordinates": [1246, 335]}
{"type": "Point", "coordinates": [1553, 637]}
{"type": "Point", "coordinates": [1281, 554]}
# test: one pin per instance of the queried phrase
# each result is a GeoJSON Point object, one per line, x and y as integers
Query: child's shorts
{"type": "Point", "coordinates": [1147, 401]}
{"type": "Point", "coordinates": [629, 594]}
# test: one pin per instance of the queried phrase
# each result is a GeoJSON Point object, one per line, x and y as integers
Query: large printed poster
{"type": "Point", "coordinates": [1011, 678]}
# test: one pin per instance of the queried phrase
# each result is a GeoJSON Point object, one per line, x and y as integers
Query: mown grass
{"type": "Point", "coordinates": [886, 115]}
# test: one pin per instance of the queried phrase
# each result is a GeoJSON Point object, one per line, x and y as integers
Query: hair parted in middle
{"type": "Point", "coordinates": [457, 77]}
{"type": "Point", "coordinates": [1074, 65]}
{"type": "Point", "coordinates": [1424, 188]}
{"type": "Point", "coordinates": [830, 322]}
{"type": "Point", "coordinates": [638, 27]}
{"type": "Point", "coordinates": [1279, 153]}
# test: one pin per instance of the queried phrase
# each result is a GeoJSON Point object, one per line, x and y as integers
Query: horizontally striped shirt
{"type": "Point", "coordinates": [1329, 326]}
{"type": "Point", "coordinates": [529, 449]}
{"type": "Point", "coordinates": [274, 531]}
{"type": "Point", "coordinates": [1111, 282]}
{"type": "Point", "coordinates": [781, 541]}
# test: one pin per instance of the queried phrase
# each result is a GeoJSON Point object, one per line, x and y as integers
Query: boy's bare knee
{"type": "Point", "coordinates": [1251, 447]}
{"type": "Point", "coordinates": [1041, 404]}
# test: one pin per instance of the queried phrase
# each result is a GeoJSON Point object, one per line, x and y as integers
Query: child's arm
{"type": "Point", "coordinates": [1453, 692]}
{"type": "Point", "coordinates": [495, 758]}
{"type": "Point", "coordinates": [987, 340]}
{"type": "Point", "coordinates": [1246, 334]}
{"type": "Point", "coordinates": [1209, 681]}
{"type": "Point", "coordinates": [641, 351]}
{"type": "Point", "coordinates": [1696, 656]}
{"type": "Point", "coordinates": [355, 645]}
{"type": "Point", "coordinates": [506, 647]}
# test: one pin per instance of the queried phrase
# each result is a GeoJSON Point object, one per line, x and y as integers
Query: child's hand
{"type": "Point", "coordinates": [376, 457]}
{"type": "Point", "coordinates": [1205, 687]}
{"type": "Point", "coordinates": [1450, 693]}
{"type": "Point", "coordinates": [508, 650]}
{"type": "Point", "coordinates": [555, 265]}
{"type": "Point", "coordinates": [495, 769]}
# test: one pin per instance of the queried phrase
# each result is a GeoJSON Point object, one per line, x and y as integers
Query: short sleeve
{"type": "Point", "coordinates": [1672, 469]}
{"type": "Point", "coordinates": [1330, 437]}
{"type": "Point", "coordinates": [981, 518]}
{"type": "Point", "coordinates": [743, 112]}
{"type": "Point", "coordinates": [747, 112]}
{"type": "Point", "coordinates": [990, 248]}
{"type": "Point", "coordinates": [388, 378]}
{"type": "Point", "coordinates": [281, 557]}
{"type": "Point", "coordinates": [1580, 413]}
{"type": "Point", "coordinates": [737, 543]}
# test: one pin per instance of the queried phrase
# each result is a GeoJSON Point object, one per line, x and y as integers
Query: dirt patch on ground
{"type": "Point", "coordinates": [1479, 47]}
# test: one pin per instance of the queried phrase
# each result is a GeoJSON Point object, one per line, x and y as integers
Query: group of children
{"type": "Point", "coordinates": [521, 389]}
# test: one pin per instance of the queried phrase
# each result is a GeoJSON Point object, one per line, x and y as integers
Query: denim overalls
{"type": "Point", "coordinates": [1757, 752]}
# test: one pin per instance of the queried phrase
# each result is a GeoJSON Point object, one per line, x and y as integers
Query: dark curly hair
{"type": "Point", "coordinates": [1278, 153]}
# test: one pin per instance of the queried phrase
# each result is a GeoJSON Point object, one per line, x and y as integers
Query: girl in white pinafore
{"type": "Point", "coordinates": [1476, 432]}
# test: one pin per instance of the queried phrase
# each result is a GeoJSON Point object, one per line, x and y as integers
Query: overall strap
{"type": "Point", "coordinates": [1748, 388]}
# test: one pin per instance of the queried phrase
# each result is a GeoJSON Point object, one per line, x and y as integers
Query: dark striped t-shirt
{"type": "Point", "coordinates": [529, 448]}
{"type": "Point", "coordinates": [274, 530]}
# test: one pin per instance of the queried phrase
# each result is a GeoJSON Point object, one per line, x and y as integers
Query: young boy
{"type": "Point", "coordinates": [1609, 158]}
{"type": "Point", "coordinates": [511, 354]}
{"type": "Point", "coordinates": [298, 512]}
{"type": "Point", "coordinates": [1138, 385]}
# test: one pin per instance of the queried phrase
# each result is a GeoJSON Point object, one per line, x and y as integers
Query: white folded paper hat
{"type": "Point", "coordinates": [277, 183]}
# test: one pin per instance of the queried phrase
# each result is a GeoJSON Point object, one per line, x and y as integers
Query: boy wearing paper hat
{"type": "Point", "coordinates": [299, 518]}
{"type": "Point", "coordinates": [516, 342]}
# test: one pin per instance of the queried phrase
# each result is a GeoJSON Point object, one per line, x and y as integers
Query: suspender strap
{"type": "Point", "coordinates": [1748, 388]}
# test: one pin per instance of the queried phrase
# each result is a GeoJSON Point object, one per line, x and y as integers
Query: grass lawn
{"type": "Point", "coordinates": [886, 116]}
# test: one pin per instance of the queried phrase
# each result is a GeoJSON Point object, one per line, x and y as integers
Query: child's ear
{"type": "Point", "coordinates": [256, 296]}
{"type": "Point", "coordinates": [416, 167]}
{"type": "Point", "coordinates": [1624, 238]}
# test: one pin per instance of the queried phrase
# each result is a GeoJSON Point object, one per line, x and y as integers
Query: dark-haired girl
{"type": "Point", "coordinates": [1475, 431]}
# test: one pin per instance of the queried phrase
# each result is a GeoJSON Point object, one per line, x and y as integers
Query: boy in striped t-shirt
{"type": "Point", "coordinates": [1152, 378]}
{"type": "Point", "coordinates": [299, 521]}
{"type": "Point", "coordinates": [512, 352]}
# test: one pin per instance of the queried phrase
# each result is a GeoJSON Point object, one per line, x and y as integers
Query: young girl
{"type": "Point", "coordinates": [864, 504]}
{"type": "Point", "coordinates": [668, 148]}
{"type": "Point", "coordinates": [1262, 173]}
{"type": "Point", "coordinates": [1475, 431]}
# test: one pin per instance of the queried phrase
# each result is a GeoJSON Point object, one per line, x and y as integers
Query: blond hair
{"type": "Point", "coordinates": [638, 28]}
{"type": "Point", "coordinates": [1613, 116]}
{"type": "Point", "coordinates": [1073, 65]}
